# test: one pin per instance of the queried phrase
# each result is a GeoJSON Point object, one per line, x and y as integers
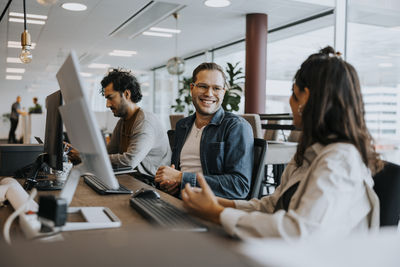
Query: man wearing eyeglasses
{"type": "Point", "coordinates": [213, 142]}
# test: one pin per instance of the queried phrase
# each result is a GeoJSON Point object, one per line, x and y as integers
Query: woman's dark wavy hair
{"type": "Point", "coordinates": [334, 111]}
{"type": "Point", "coordinates": [122, 80]}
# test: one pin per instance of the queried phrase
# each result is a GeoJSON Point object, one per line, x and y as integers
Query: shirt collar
{"type": "Point", "coordinates": [312, 152]}
{"type": "Point", "coordinates": [216, 119]}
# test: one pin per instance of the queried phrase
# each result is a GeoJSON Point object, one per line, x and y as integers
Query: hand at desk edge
{"type": "Point", "coordinates": [203, 202]}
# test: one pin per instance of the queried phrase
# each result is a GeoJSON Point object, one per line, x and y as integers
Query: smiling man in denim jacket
{"type": "Point", "coordinates": [213, 142]}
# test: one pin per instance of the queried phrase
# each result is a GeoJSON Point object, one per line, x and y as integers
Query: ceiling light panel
{"type": "Point", "coordinates": [98, 66]}
{"type": "Point", "coordinates": [13, 77]}
{"type": "Point", "coordinates": [85, 74]}
{"type": "Point", "coordinates": [217, 3]}
{"type": "Point", "coordinates": [29, 16]}
{"type": "Point", "coordinates": [122, 53]}
{"type": "Point", "coordinates": [385, 65]}
{"type": "Point", "coordinates": [382, 57]}
{"type": "Point", "coordinates": [158, 34]}
{"type": "Point", "coordinates": [15, 70]}
{"type": "Point", "coordinates": [29, 21]}
{"type": "Point", "coordinates": [130, 52]}
{"type": "Point", "coordinates": [74, 6]}
{"type": "Point", "coordinates": [14, 44]}
{"type": "Point", "coordinates": [119, 55]}
{"type": "Point", "coordinates": [158, 29]}
{"type": "Point", "coordinates": [14, 60]}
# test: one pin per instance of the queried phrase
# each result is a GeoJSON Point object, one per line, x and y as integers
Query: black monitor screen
{"type": "Point", "coordinates": [53, 144]}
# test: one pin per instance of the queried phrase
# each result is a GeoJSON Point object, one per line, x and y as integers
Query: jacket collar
{"type": "Point", "coordinates": [216, 119]}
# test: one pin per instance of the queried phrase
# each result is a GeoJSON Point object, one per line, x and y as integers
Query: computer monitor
{"type": "Point", "coordinates": [53, 142]}
{"type": "Point", "coordinates": [53, 149]}
{"type": "Point", "coordinates": [82, 127]}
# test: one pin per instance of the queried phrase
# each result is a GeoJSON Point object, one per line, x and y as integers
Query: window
{"type": "Point", "coordinates": [373, 47]}
{"type": "Point", "coordinates": [286, 50]}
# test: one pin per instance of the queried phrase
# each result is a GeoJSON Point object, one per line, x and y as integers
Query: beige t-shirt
{"type": "Point", "coordinates": [190, 154]}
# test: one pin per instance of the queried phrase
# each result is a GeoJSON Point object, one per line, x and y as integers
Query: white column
{"type": "Point", "coordinates": [341, 26]}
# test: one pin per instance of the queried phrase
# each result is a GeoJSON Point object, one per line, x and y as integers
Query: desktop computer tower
{"type": "Point", "coordinates": [15, 156]}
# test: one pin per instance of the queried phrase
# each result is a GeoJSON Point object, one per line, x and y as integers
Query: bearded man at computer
{"type": "Point", "coordinates": [138, 139]}
{"type": "Point", "coordinates": [216, 143]}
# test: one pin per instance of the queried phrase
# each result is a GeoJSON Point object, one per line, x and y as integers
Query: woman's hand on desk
{"type": "Point", "coordinates": [202, 201]}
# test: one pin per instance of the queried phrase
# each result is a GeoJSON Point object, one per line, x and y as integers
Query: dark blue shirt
{"type": "Point", "coordinates": [226, 154]}
{"type": "Point", "coordinates": [14, 111]}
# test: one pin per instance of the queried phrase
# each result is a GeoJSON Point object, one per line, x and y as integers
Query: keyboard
{"type": "Point", "coordinates": [100, 188]}
{"type": "Point", "coordinates": [49, 185]}
{"type": "Point", "coordinates": [165, 215]}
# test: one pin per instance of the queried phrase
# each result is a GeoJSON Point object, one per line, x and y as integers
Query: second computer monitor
{"type": "Point", "coordinates": [53, 143]}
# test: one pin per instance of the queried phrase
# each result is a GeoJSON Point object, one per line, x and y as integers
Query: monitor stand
{"type": "Point", "coordinates": [95, 217]}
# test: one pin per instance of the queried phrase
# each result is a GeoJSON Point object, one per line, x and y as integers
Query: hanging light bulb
{"type": "Point", "coordinates": [26, 55]}
{"type": "Point", "coordinates": [176, 65]}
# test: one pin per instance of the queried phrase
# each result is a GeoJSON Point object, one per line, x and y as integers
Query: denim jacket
{"type": "Point", "coordinates": [226, 154]}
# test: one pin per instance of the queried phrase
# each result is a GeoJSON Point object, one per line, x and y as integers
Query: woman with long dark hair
{"type": "Point", "coordinates": [326, 189]}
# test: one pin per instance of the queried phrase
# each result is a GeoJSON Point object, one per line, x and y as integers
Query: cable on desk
{"type": "Point", "coordinates": [15, 214]}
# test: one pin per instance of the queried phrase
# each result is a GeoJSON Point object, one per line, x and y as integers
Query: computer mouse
{"type": "Point", "coordinates": [146, 193]}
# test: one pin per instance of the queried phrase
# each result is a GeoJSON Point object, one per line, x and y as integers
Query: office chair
{"type": "Point", "coordinates": [260, 149]}
{"type": "Point", "coordinates": [269, 134]}
{"type": "Point", "coordinates": [174, 118]}
{"type": "Point", "coordinates": [255, 122]}
{"type": "Point", "coordinates": [171, 138]}
{"type": "Point", "coordinates": [387, 187]}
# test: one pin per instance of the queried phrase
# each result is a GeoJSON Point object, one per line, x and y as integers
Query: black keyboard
{"type": "Point", "coordinates": [165, 215]}
{"type": "Point", "coordinates": [100, 188]}
{"type": "Point", "coordinates": [49, 185]}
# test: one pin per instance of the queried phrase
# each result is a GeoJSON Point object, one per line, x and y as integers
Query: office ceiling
{"type": "Point", "coordinates": [88, 33]}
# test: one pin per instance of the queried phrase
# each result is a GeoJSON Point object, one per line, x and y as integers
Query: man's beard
{"type": "Point", "coordinates": [121, 111]}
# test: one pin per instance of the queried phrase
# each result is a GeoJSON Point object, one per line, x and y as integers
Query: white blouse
{"type": "Point", "coordinates": [334, 198]}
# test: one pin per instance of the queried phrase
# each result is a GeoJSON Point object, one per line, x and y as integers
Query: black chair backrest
{"type": "Point", "coordinates": [260, 152]}
{"type": "Point", "coordinates": [387, 187]}
{"type": "Point", "coordinates": [171, 138]}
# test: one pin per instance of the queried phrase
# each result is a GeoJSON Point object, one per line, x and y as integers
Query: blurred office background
{"type": "Point", "coordinates": [296, 28]}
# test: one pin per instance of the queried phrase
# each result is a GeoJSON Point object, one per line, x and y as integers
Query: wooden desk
{"type": "Point", "coordinates": [118, 203]}
{"type": "Point", "coordinates": [136, 242]}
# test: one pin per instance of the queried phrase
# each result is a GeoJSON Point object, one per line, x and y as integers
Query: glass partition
{"type": "Point", "coordinates": [373, 47]}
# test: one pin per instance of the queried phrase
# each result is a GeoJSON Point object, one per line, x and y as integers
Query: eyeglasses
{"type": "Point", "coordinates": [204, 87]}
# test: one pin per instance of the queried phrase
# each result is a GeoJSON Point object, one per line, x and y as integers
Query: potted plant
{"type": "Point", "coordinates": [6, 117]}
{"type": "Point", "coordinates": [234, 91]}
{"type": "Point", "coordinates": [232, 96]}
{"type": "Point", "coordinates": [184, 100]}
